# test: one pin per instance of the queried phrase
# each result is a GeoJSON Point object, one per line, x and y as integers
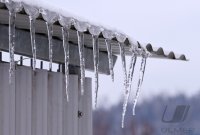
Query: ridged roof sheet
{"type": "Point", "coordinates": [75, 23]}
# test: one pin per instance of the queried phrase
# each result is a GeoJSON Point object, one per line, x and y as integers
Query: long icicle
{"type": "Point", "coordinates": [129, 84]}
{"type": "Point", "coordinates": [110, 59]}
{"type": "Point", "coordinates": [50, 34]}
{"type": "Point", "coordinates": [12, 16]}
{"type": "Point", "coordinates": [122, 53]}
{"type": "Point", "coordinates": [141, 77]}
{"type": "Point", "coordinates": [96, 65]}
{"type": "Point", "coordinates": [33, 45]}
{"type": "Point", "coordinates": [65, 35]}
{"type": "Point", "coordinates": [82, 59]}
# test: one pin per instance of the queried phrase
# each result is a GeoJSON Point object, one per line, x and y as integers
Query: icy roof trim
{"type": "Point", "coordinates": [43, 10]}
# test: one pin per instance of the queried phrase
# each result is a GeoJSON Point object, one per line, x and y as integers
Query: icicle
{"type": "Point", "coordinates": [50, 18]}
{"type": "Point", "coordinates": [110, 58]}
{"type": "Point", "coordinates": [33, 14]}
{"type": "Point", "coordinates": [13, 8]}
{"type": "Point", "coordinates": [141, 76]}
{"type": "Point", "coordinates": [95, 31]}
{"type": "Point", "coordinates": [122, 53]}
{"type": "Point", "coordinates": [65, 35]}
{"type": "Point", "coordinates": [129, 83]}
{"type": "Point", "coordinates": [81, 27]}
{"type": "Point", "coordinates": [12, 16]}
{"type": "Point", "coordinates": [50, 34]}
{"type": "Point", "coordinates": [121, 39]}
{"type": "Point", "coordinates": [66, 22]}
{"type": "Point", "coordinates": [82, 59]}
{"type": "Point", "coordinates": [96, 65]}
{"type": "Point", "coordinates": [33, 45]}
{"type": "Point", "coordinates": [109, 35]}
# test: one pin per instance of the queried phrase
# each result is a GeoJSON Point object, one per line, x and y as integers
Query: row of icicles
{"type": "Point", "coordinates": [66, 23]}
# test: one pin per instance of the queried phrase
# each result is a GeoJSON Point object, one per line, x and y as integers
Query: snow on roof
{"type": "Point", "coordinates": [64, 18]}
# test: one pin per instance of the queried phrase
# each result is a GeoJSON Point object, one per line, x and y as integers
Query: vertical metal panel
{"type": "Point", "coordinates": [12, 106]}
{"type": "Point", "coordinates": [85, 106]}
{"type": "Point", "coordinates": [60, 105]}
{"type": "Point", "coordinates": [23, 100]}
{"type": "Point", "coordinates": [4, 91]}
{"type": "Point", "coordinates": [1, 100]}
{"type": "Point", "coordinates": [55, 89]}
{"type": "Point", "coordinates": [39, 102]}
{"type": "Point", "coordinates": [70, 114]}
{"type": "Point", "coordinates": [7, 105]}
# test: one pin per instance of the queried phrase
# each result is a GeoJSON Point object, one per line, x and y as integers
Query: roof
{"type": "Point", "coordinates": [22, 22]}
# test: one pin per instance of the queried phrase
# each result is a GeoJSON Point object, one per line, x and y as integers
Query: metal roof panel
{"type": "Point", "coordinates": [22, 22]}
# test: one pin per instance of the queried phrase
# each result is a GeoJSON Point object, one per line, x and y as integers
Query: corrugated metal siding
{"type": "Point", "coordinates": [37, 104]}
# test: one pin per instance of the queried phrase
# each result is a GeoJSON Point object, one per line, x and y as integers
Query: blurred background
{"type": "Point", "coordinates": [150, 117]}
{"type": "Point", "coordinates": [171, 24]}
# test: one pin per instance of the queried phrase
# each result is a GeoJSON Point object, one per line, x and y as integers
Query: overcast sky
{"type": "Point", "coordinates": [171, 24]}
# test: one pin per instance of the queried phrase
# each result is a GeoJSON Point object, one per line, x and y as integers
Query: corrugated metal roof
{"type": "Point", "coordinates": [22, 22]}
